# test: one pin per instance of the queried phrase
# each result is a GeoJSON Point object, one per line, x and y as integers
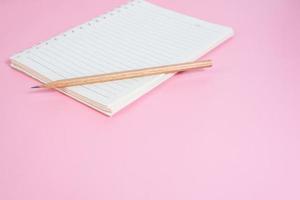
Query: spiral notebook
{"type": "Point", "coordinates": [133, 36]}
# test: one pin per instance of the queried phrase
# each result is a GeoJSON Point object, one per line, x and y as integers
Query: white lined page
{"type": "Point", "coordinates": [134, 36]}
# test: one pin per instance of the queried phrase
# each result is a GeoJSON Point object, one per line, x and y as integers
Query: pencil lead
{"type": "Point", "coordinates": [37, 86]}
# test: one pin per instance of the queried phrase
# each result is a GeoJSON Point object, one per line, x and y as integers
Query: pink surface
{"type": "Point", "coordinates": [231, 132]}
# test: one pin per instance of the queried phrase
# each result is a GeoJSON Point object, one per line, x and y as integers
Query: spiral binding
{"type": "Point", "coordinates": [82, 26]}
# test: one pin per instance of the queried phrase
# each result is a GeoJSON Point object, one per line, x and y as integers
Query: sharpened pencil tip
{"type": "Point", "coordinates": [37, 86]}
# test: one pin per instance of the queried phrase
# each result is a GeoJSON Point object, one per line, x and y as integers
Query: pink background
{"type": "Point", "coordinates": [230, 132]}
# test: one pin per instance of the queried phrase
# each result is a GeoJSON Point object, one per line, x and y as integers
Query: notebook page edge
{"type": "Point", "coordinates": [84, 100]}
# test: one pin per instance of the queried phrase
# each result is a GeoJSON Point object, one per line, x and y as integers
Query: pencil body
{"type": "Point", "coordinates": [126, 74]}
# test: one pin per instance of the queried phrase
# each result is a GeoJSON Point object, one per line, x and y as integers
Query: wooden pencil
{"type": "Point", "coordinates": [126, 74]}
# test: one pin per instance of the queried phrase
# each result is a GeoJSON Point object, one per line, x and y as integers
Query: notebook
{"type": "Point", "coordinates": [136, 35]}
